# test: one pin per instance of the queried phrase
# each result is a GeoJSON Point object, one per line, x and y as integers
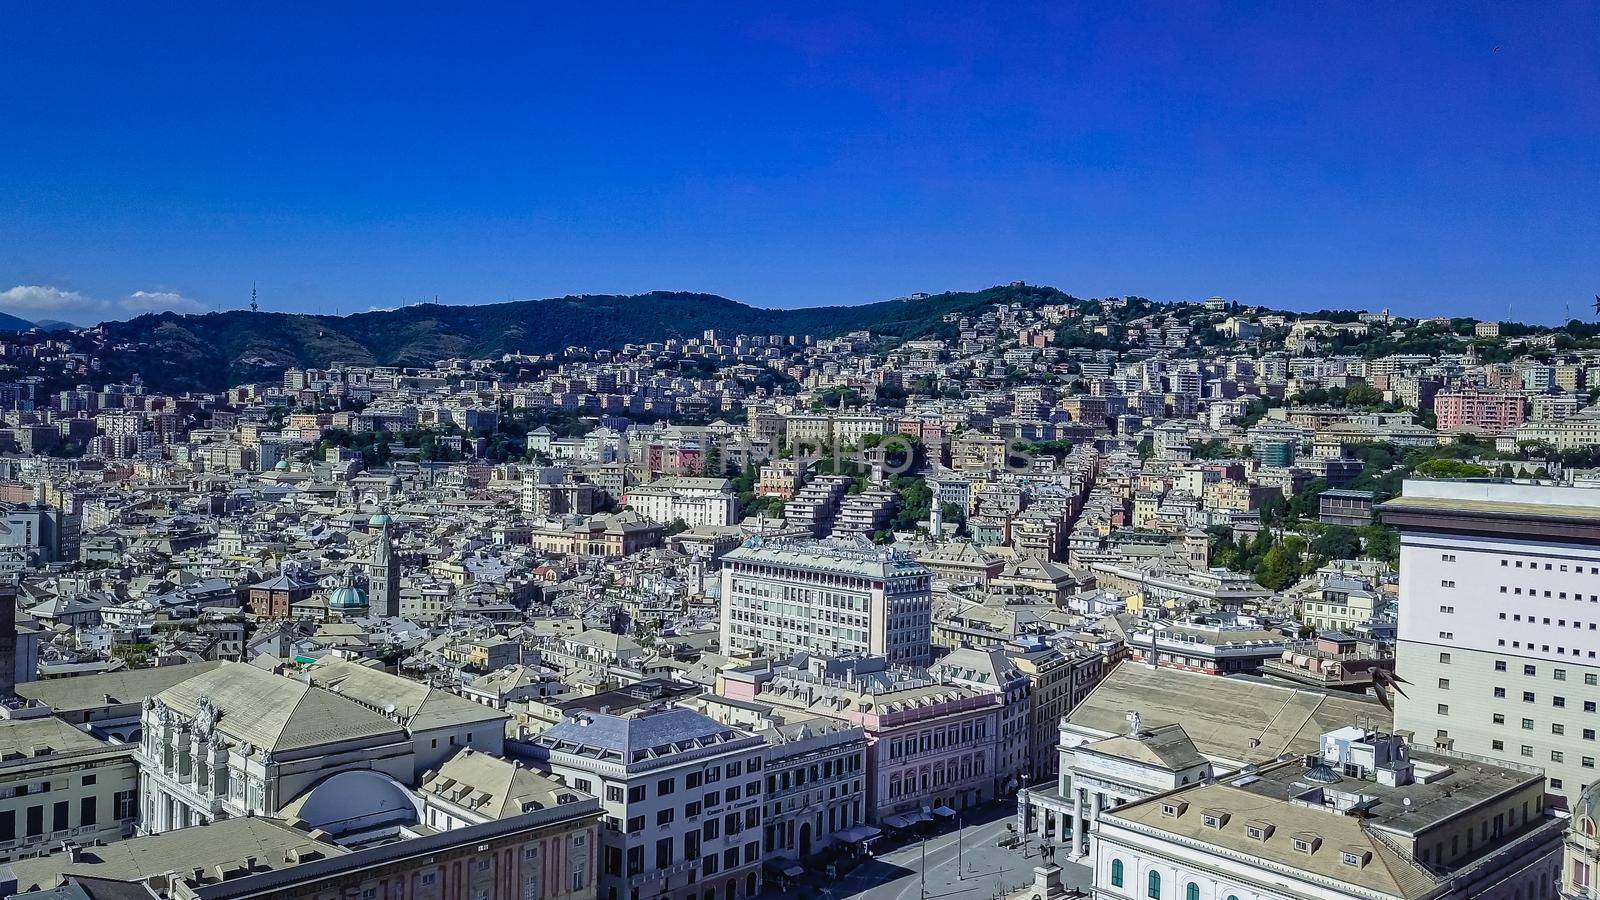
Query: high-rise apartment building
{"type": "Point", "coordinates": [1499, 632]}
{"type": "Point", "coordinates": [1492, 411]}
{"type": "Point", "coordinates": [826, 597]}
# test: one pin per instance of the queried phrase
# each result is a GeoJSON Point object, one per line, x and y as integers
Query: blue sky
{"type": "Point", "coordinates": [1433, 158]}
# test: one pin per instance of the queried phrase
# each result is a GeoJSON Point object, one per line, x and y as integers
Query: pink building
{"type": "Point", "coordinates": [930, 745]}
{"type": "Point", "coordinates": [1497, 413]}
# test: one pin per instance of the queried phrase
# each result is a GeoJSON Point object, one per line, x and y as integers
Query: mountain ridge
{"type": "Point", "coordinates": [215, 350]}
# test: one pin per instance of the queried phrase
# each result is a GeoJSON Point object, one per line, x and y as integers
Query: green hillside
{"type": "Point", "coordinates": [210, 352]}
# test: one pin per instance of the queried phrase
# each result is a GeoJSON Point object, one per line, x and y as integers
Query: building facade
{"type": "Point", "coordinates": [1499, 624]}
{"type": "Point", "coordinates": [682, 797]}
{"type": "Point", "coordinates": [835, 598]}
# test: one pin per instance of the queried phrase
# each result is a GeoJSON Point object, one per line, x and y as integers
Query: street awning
{"type": "Point", "coordinates": [786, 867]}
{"type": "Point", "coordinates": [857, 834]}
{"type": "Point", "coordinates": [944, 812]}
{"type": "Point", "coordinates": [897, 822]}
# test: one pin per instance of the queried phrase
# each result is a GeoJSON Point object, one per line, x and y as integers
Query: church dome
{"type": "Point", "coordinates": [282, 465]}
{"type": "Point", "coordinates": [347, 596]}
{"type": "Point", "coordinates": [381, 520]}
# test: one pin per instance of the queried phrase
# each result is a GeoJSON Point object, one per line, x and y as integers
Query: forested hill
{"type": "Point", "coordinates": [213, 351]}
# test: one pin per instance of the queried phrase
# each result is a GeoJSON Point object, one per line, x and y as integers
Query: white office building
{"type": "Point", "coordinates": [1499, 631]}
{"type": "Point", "coordinates": [828, 597]}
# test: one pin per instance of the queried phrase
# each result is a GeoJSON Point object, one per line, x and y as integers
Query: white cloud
{"type": "Point", "coordinates": [33, 301]}
{"type": "Point", "coordinates": [36, 301]}
{"type": "Point", "coordinates": [140, 302]}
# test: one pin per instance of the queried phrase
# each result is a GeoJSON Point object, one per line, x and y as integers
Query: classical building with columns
{"type": "Point", "coordinates": [1103, 774]}
{"type": "Point", "coordinates": [1124, 742]}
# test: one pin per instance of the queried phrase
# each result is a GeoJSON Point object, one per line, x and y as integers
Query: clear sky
{"type": "Point", "coordinates": [1429, 157]}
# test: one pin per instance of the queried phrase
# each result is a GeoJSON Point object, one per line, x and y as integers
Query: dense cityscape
{"type": "Point", "coordinates": [1043, 598]}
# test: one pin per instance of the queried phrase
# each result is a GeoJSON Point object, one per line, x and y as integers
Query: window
{"type": "Point", "coordinates": [1497, 745]}
{"type": "Point", "coordinates": [1529, 670]}
{"type": "Point", "coordinates": [1444, 709]}
{"type": "Point", "coordinates": [127, 803]}
{"type": "Point", "coordinates": [1527, 724]}
{"type": "Point", "coordinates": [1444, 684]}
{"type": "Point", "coordinates": [1557, 728]}
{"type": "Point", "coordinates": [1153, 886]}
{"type": "Point", "coordinates": [1192, 892]}
{"type": "Point", "coordinates": [1444, 658]}
{"type": "Point", "coordinates": [1527, 696]}
{"type": "Point", "coordinates": [1116, 873]}
{"type": "Point", "coordinates": [88, 812]}
{"type": "Point", "coordinates": [1499, 665]}
{"type": "Point", "coordinates": [614, 793]}
{"type": "Point", "coordinates": [666, 786]}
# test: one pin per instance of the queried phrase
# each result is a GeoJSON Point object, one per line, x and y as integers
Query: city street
{"type": "Point", "coordinates": [971, 868]}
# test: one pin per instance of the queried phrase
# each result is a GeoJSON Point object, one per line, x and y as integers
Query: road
{"type": "Point", "coordinates": [972, 868]}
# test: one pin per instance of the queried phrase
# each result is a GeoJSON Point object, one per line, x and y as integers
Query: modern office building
{"type": "Point", "coordinates": [1499, 632]}
{"type": "Point", "coordinates": [833, 598]}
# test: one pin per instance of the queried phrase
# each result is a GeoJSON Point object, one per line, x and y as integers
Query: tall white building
{"type": "Point", "coordinates": [1499, 632]}
{"type": "Point", "coordinates": [826, 597]}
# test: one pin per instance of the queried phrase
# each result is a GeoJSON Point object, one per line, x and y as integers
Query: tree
{"type": "Point", "coordinates": [1451, 468]}
{"type": "Point", "coordinates": [1337, 542]}
{"type": "Point", "coordinates": [1279, 568]}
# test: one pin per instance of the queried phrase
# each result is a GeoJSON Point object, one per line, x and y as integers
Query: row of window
{"type": "Point", "coordinates": [1577, 566]}
{"type": "Point", "coordinates": [124, 803]}
{"type": "Point", "coordinates": [1153, 883]}
{"type": "Point", "coordinates": [1548, 595]}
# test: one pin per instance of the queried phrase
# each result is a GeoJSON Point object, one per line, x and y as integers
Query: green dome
{"type": "Point", "coordinates": [347, 597]}
{"type": "Point", "coordinates": [381, 520]}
